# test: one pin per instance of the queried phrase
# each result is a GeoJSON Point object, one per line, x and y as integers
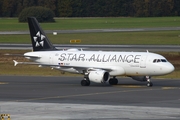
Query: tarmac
{"type": "Point", "coordinates": [63, 98]}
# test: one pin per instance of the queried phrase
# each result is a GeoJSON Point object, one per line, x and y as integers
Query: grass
{"type": "Point", "coordinates": [141, 38]}
{"type": "Point", "coordinates": [7, 66]}
{"type": "Point", "coordinates": [12, 24]}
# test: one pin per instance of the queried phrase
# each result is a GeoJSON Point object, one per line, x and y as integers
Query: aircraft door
{"type": "Point", "coordinates": [143, 62]}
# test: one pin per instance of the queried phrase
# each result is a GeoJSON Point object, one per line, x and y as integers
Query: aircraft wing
{"type": "Point", "coordinates": [19, 55]}
{"type": "Point", "coordinates": [30, 63]}
{"type": "Point", "coordinates": [80, 69]}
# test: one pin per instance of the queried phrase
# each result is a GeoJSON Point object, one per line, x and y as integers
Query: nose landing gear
{"type": "Point", "coordinates": [149, 83]}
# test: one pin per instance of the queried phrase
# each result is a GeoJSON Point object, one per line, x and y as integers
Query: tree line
{"type": "Point", "coordinates": [95, 8]}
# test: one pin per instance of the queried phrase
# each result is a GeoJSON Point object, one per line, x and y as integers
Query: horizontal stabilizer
{"type": "Point", "coordinates": [15, 62]}
{"type": "Point", "coordinates": [28, 63]}
{"type": "Point", "coordinates": [30, 56]}
{"type": "Point", "coordinates": [19, 55]}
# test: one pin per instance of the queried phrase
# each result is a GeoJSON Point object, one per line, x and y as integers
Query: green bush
{"type": "Point", "coordinates": [42, 14]}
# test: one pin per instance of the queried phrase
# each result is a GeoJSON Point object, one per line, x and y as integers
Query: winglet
{"type": "Point", "coordinates": [15, 62]}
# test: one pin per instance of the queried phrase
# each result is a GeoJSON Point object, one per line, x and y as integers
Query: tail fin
{"type": "Point", "coordinates": [40, 41]}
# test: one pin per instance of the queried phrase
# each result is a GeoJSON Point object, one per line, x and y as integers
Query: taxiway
{"type": "Point", "coordinates": [56, 98]}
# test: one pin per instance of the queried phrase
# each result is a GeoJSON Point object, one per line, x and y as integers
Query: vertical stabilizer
{"type": "Point", "coordinates": [40, 41]}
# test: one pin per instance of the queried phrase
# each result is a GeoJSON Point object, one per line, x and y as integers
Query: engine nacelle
{"type": "Point", "coordinates": [139, 78]}
{"type": "Point", "coordinates": [99, 76]}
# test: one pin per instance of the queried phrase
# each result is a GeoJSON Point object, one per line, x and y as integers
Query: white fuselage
{"type": "Point", "coordinates": [116, 63]}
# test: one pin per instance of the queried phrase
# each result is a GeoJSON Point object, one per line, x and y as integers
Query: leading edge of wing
{"type": "Point", "coordinates": [86, 68]}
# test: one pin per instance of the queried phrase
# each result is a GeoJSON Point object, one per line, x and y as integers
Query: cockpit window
{"type": "Point", "coordinates": [159, 60]}
{"type": "Point", "coordinates": [154, 61]}
{"type": "Point", "coordinates": [163, 60]}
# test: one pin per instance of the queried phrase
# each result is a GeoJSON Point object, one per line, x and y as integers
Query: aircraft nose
{"type": "Point", "coordinates": [169, 68]}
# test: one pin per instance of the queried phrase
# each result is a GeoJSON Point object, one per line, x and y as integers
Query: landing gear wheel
{"type": "Point", "coordinates": [85, 82]}
{"type": "Point", "coordinates": [88, 82]}
{"type": "Point", "coordinates": [113, 81]}
{"type": "Point", "coordinates": [149, 84]}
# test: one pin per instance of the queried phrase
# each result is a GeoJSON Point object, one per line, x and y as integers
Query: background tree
{"type": "Point", "coordinates": [65, 8]}
{"type": "Point", "coordinates": [29, 3]}
{"type": "Point", "coordinates": [139, 7]}
{"type": "Point", "coordinates": [42, 14]}
{"type": "Point", "coordinates": [95, 8]}
{"type": "Point", "coordinates": [90, 10]}
{"type": "Point", "coordinates": [149, 8]}
{"type": "Point", "coordinates": [0, 8]}
{"type": "Point", "coordinates": [78, 8]}
{"type": "Point", "coordinates": [51, 4]}
{"type": "Point", "coordinates": [9, 8]}
{"type": "Point", "coordinates": [176, 8]}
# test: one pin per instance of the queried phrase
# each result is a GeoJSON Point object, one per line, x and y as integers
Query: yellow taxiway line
{"type": "Point", "coordinates": [1, 83]}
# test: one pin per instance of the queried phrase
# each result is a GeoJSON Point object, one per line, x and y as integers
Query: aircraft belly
{"type": "Point", "coordinates": [117, 70]}
{"type": "Point", "coordinates": [135, 71]}
{"type": "Point", "coordinates": [71, 70]}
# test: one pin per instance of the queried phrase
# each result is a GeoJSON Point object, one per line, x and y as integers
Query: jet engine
{"type": "Point", "coordinates": [99, 76]}
{"type": "Point", "coordinates": [139, 78]}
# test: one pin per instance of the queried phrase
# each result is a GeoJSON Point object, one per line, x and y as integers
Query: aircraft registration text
{"type": "Point", "coordinates": [100, 58]}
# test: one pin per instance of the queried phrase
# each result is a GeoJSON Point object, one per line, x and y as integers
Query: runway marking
{"type": "Point", "coordinates": [2, 83]}
{"type": "Point", "coordinates": [129, 86]}
{"type": "Point", "coordinates": [88, 94]}
{"type": "Point", "coordinates": [138, 86]}
{"type": "Point", "coordinates": [168, 88]}
{"type": "Point", "coordinates": [98, 93]}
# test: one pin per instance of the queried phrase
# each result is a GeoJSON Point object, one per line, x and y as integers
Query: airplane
{"type": "Point", "coordinates": [96, 66]}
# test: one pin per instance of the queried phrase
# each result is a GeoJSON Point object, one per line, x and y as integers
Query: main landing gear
{"type": "Point", "coordinates": [85, 81]}
{"type": "Point", "coordinates": [113, 81]}
{"type": "Point", "coordinates": [149, 83]}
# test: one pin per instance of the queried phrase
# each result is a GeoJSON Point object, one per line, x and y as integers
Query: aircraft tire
{"type": "Point", "coordinates": [149, 84]}
{"type": "Point", "coordinates": [113, 81]}
{"type": "Point", "coordinates": [88, 82]}
{"type": "Point", "coordinates": [85, 83]}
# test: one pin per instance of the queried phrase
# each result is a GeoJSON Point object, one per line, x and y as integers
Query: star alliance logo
{"type": "Point", "coordinates": [39, 39]}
